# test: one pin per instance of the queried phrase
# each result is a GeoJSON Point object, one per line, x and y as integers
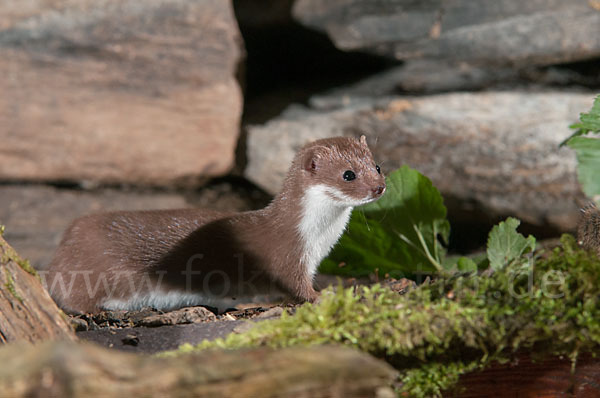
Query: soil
{"type": "Point", "coordinates": [121, 330]}
{"type": "Point", "coordinates": [151, 331]}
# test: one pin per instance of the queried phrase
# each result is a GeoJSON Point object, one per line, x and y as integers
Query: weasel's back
{"type": "Point", "coordinates": [113, 243]}
{"type": "Point", "coordinates": [137, 235]}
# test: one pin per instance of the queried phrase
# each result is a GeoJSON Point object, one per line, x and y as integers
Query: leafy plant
{"type": "Point", "coordinates": [587, 150]}
{"type": "Point", "coordinates": [398, 234]}
{"type": "Point", "coordinates": [506, 245]}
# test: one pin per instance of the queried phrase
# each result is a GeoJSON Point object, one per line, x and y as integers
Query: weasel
{"type": "Point", "coordinates": [168, 259]}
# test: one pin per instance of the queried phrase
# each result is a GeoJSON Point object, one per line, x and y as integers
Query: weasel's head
{"type": "Point", "coordinates": [343, 169]}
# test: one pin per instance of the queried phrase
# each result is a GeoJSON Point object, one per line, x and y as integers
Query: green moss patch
{"type": "Point", "coordinates": [457, 324]}
{"type": "Point", "coordinates": [9, 254]}
{"type": "Point", "coordinates": [10, 285]}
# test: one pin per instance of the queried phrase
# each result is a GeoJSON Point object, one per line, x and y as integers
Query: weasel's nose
{"type": "Point", "coordinates": [379, 190]}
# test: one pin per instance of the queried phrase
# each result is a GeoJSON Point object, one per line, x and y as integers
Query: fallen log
{"type": "Point", "coordinates": [69, 369]}
{"type": "Point", "coordinates": [526, 377]}
{"type": "Point", "coordinates": [27, 313]}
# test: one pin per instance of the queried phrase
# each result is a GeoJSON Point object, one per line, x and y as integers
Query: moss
{"type": "Point", "coordinates": [9, 254]}
{"type": "Point", "coordinates": [440, 331]}
{"type": "Point", "coordinates": [26, 266]}
{"type": "Point", "coordinates": [10, 285]}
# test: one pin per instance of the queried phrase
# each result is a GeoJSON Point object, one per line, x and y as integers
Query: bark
{"type": "Point", "coordinates": [73, 370]}
{"type": "Point", "coordinates": [27, 313]}
{"type": "Point", "coordinates": [524, 377]}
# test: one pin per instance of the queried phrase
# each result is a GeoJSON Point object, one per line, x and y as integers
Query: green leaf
{"type": "Point", "coordinates": [588, 151]}
{"type": "Point", "coordinates": [588, 164]}
{"type": "Point", "coordinates": [506, 245]}
{"type": "Point", "coordinates": [455, 263]}
{"type": "Point", "coordinates": [465, 264]}
{"type": "Point", "coordinates": [581, 131]}
{"type": "Point", "coordinates": [398, 234]}
{"type": "Point", "coordinates": [591, 121]}
{"type": "Point", "coordinates": [366, 250]}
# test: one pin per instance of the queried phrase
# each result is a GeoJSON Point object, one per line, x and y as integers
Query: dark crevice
{"type": "Point", "coordinates": [469, 234]}
{"type": "Point", "coordinates": [287, 63]}
{"type": "Point", "coordinates": [585, 73]}
{"type": "Point", "coordinates": [254, 196]}
{"type": "Point", "coordinates": [238, 183]}
{"type": "Point", "coordinates": [58, 184]}
{"type": "Point", "coordinates": [470, 225]}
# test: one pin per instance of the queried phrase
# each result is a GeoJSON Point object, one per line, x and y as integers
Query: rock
{"type": "Point", "coordinates": [504, 32]}
{"type": "Point", "coordinates": [118, 91]}
{"type": "Point", "coordinates": [424, 76]}
{"type": "Point", "coordinates": [435, 76]}
{"type": "Point", "coordinates": [229, 317]}
{"type": "Point", "coordinates": [79, 325]}
{"type": "Point", "coordinates": [27, 313]}
{"type": "Point", "coordinates": [274, 312]}
{"type": "Point", "coordinates": [35, 216]}
{"type": "Point", "coordinates": [179, 317]}
{"type": "Point", "coordinates": [271, 148]}
{"type": "Point", "coordinates": [75, 370]}
{"type": "Point", "coordinates": [490, 152]}
{"type": "Point", "coordinates": [131, 339]}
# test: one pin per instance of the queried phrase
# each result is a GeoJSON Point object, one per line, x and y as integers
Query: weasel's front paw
{"type": "Point", "coordinates": [314, 298]}
{"type": "Point", "coordinates": [322, 295]}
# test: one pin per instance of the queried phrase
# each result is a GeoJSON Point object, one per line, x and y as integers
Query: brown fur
{"type": "Point", "coordinates": [259, 251]}
{"type": "Point", "coordinates": [588, 228]}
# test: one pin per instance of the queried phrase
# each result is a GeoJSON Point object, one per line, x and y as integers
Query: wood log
{"type": "Point", "coordinates": [524, 377]}
{"type": "Point", "coordinates": [27, 313]}
{"type": "Point", "coordinates": [74, 370]}
{"type": "Point", "coordinates": [118, 91]}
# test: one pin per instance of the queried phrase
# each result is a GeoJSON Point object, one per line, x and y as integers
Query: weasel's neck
{"type": "Point", "coordinates": [322, 222]}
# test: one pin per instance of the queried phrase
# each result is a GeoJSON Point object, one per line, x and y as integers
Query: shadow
{"type": "Point", "coordinates": [217, 262]}
{"type": "Point", "coordinates": [287, 63]}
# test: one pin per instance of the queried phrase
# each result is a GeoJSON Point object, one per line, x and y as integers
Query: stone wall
{"type": "Point", "coordinates": [112, 104]}
{"type": "Point", "coordinates": [118, 91]}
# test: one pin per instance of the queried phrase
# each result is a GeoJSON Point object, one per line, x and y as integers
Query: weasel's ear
{"type": "Point", "coordinates": [363, 140]}
{"type": "Point", "coordinates": [313, 158]}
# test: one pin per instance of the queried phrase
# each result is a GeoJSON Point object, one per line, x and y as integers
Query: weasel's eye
{"type": "Point", "coordinates": [378, 168]}
{"type": "Point", "coordinates": [349, 175]}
